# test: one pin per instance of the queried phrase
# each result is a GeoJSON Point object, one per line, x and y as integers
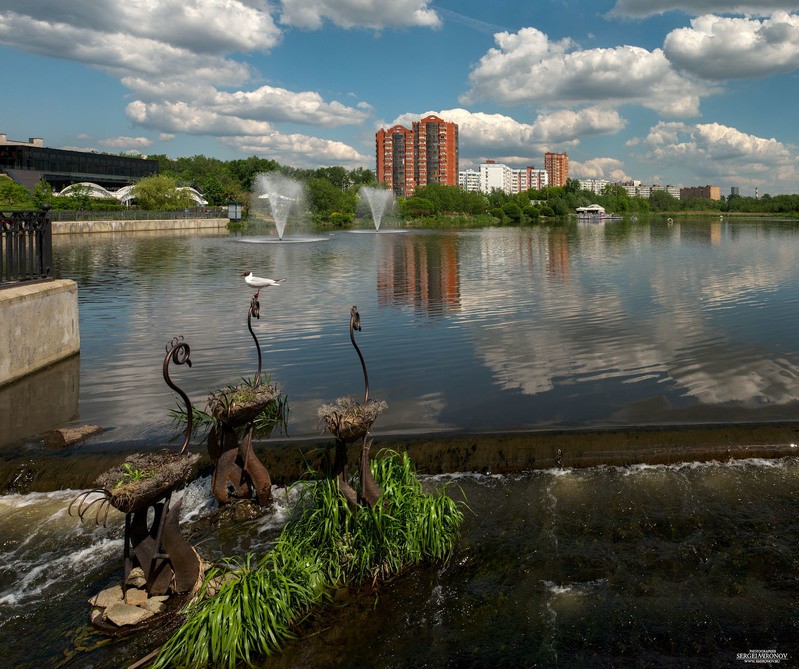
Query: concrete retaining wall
{"type": "Point", "coordinates": [79, 227]}
{"type": "Point", "coordinates": [38, 326]}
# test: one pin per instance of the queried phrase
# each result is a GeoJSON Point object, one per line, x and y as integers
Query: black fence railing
{"type": "Point", "coordinates": [136, 214]}
{"type": "Point", "coordinates": [26, 247]}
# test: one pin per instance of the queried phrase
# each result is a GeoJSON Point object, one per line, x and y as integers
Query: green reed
{"type": "Point", "coordinates": [248, 607]}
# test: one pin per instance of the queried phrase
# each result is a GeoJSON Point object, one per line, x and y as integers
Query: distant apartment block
{"type": "Point", "coordinates": [557, 168]}
{"type": "Point", "coordinates": [701, 192]}
{"type": "Point", "coordinates": [410, 158]}
{"type": "Point", "coordinates": [635, 188]}
{"type": "Point", "coordinates": [594, 185]}
{"type": "Point", "coordinates": [469, 180]}
{"type": "Point", "coordinates": [645, 191]}
{"type": "Point", "coordinates": [496, 176]}
{"type": "Point", "coordinates": [537, 179]}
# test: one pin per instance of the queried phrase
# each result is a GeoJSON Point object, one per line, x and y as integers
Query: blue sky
{"type": "Point", "coordinates": [663, 91]}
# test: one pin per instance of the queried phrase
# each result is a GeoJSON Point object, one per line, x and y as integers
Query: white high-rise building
{"type": "Point", "coordinates": [496, 176]}
{"type": "Point", "coordinates": [594, 185]}
{"type": "Point", "coordinates": [469, 180]}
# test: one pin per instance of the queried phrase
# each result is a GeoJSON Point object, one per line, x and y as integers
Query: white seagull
{"type": "Point", "coordinates": [259, 282]}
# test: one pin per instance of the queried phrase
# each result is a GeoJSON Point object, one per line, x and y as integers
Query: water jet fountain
{"type": "Point", "coordinates": [283, 193]}
{"type": "Point", "coordinates": [285, 196]}
{"type": "Point", "coordinates": [379, 200]}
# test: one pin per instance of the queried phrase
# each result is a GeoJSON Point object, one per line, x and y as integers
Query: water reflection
{"type": "Point", "coordinates": [40, 402]}
{"type": "Point", "coordinates": [412, 271]}
{"type": "Point", "coordinates": [489, 329]}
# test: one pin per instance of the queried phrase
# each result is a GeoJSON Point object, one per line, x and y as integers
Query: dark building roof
{"type": "Point", "coordinates": [28, 165]}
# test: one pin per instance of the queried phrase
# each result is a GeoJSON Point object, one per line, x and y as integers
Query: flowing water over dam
{"type": "Point", "coordinates": [659, 566]}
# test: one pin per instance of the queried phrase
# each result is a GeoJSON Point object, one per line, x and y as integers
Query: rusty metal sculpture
{"type": "Point", "coordinates": [238, 473]}
{"type": "Point", "coordinates": [144, 482]}
{"type": "Point", "coordinates": [349, 421]}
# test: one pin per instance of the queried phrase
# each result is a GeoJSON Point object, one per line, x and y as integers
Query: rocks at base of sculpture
{"type": "Point", "coordinates": [114, 611]}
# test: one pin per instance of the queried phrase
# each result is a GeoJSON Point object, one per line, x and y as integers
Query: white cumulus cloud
{"type": "Point", "coordinates": [127, 143]}
{"type": "Point", "coordinates": [723, 153]}
{"type": "Point", "coordinates": [300, 150]}
{"type": "Point", "coordinates": [611, 169]}
{"type": "Point", "coordinates": [643, 8]}
{"type": "Point", "coordinates": [719, 48]}
{"type": "Point", "coordinates": [374, 14]}
{"type": "Point", "coordinates": [177, 60]}
{"type": "Point", "coordinates": [280, 104]}
{"type": "Point", "coordinates": [200, 26]}
{"type": "Point", "coordinates": [527, 68]}
{"type": "Point", "coordinates": [177, 117]}
{"type": "Point", "coordinates": [496, 135]}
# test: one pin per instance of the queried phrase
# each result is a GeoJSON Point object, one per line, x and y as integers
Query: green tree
{"type": "Point", "coordinates": [160, 193]}
{"type": "Point", "coordinates": [213, 190]}
{"type": "Point", "coordinates": [244, 171]}
{"type": "Point", "coordinates": [14, 195]}
{"type": "Point", "coordinates": [360, 176]}
{"type": "Point", "coordinates": [513, 211]}
{"type": "Point", "coordinates": [42, 194]}
{"type": "Point", "coordinates": [337, 176]}
{"type": "Point", "coordinates": [416, 207]}
{"type": "Point", "coordinates": [661, 200]}
{"type": "Point", "coordinates": [325, 200]}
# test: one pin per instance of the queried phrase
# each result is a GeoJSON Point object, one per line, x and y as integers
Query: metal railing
{"type": "Point", "coordinates": [137, 214]}
{"type": "Point", "coordinates": [26, 247]}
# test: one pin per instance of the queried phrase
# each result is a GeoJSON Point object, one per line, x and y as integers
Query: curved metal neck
{"type": "Point", "coordinates": [178, 352]}
{"type": "Point", "coordinates": [355, 324]}
{"type": "Point", "coordinates": [255, 310]}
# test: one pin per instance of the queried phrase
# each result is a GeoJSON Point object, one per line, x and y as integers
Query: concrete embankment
{"type": "Point", "coordinates": [44, 469]}
{"type": "Point", "coordinates": [80, 227]}
{"type": "Point", "coordinates": [38, 326]}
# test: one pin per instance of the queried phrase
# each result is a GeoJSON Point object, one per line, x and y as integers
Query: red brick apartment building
{"type": "Point", "coordinates": [557, 168]}
{"type": "Point", "coordinates": [427, 154]}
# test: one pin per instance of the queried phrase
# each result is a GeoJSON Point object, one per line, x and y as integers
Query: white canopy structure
{"type": "Point", "coordinates": [590, 210]}
{"type": "Point", "coordinates": [93, 190]}
{"type": "Point", "coordinates": [124, 194]}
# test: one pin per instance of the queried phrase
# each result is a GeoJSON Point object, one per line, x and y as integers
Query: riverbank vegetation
{"type": "Point", "coordinates": [248, 607]}
{"type": "Point", "coordinates": [332, 196]}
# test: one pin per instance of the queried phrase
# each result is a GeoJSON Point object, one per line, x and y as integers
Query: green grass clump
{"type": "Point", "coordinates": [323, 546]}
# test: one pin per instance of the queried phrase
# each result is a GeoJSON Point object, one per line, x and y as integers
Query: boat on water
{"type": "Point", "coordinates": [595, 213]}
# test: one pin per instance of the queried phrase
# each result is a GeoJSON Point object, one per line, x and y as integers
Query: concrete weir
{"type": "Point", "coordinates": [38, 326]}
{"type": "Point", "coordinates": [42, 469]}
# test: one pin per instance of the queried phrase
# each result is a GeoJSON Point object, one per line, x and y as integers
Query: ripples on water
{"type": "Point", "coordinates": [655, 566]}
{"type": "Point", "coordinates": [506, 328]}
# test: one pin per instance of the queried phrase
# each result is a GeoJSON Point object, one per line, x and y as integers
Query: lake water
{"type": "Point", "coordinates": [580, 325]}
{"type": "Point", "coordinates": [479, 330]}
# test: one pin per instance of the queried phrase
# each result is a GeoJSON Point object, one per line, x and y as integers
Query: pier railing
{"type": "Point", "coordinates": [26, 247]}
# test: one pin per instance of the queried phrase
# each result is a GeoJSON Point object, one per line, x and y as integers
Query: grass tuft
{"type": "Point", "coordinates": [248, 606]}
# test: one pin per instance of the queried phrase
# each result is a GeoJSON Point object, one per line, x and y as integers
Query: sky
{"type": "Point", "coordinates": [666, 92]}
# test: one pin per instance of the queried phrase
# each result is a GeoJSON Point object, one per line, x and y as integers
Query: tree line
{"type": "Point", "coordinates": [332, 194]}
